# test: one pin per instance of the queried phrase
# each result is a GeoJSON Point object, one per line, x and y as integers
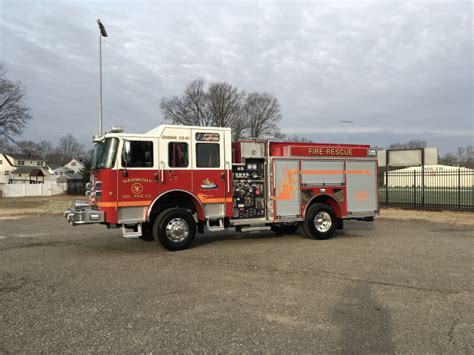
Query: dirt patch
{"type": "Point", "coordinates": [14, 207]}
{"type": "Point", "coordinates": [447, 217]}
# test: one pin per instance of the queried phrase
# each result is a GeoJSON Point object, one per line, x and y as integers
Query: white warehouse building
{"type": "Point", "coordinates": [434, 176]}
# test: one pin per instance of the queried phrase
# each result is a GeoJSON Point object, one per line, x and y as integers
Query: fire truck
{"type": "Point", "coordinates": [173, 182]}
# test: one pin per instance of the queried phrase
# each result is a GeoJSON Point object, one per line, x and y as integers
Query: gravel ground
{"type": "Point", "coordinates": [391, 286]}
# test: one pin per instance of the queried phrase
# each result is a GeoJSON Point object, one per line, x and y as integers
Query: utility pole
{"type": "Point", "coordinates": [102, 33]}
{"type": "Point", "coordinates": [345, 128]}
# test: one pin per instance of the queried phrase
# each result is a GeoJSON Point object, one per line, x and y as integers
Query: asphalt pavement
{"type": "Point", "coordinates": [384, 287]}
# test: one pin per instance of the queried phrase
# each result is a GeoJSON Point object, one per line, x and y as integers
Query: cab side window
{"type": "Point", "coordinates": [141, 154]}
{"type": "Point", "coordinates": [207, 155]}
{"type": "Point", "coordinates": [178, 155]}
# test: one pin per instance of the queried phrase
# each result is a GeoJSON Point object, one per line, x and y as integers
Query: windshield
{"type": "Point", "coordinates": [104, 153]}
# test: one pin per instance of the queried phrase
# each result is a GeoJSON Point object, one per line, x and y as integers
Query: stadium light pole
{"type": "Point", "coordinates": [346, 122]}
{"type": "Point", "coordinates": [102, 33]}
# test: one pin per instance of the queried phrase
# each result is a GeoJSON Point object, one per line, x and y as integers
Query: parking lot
{"type": "Point", "coordinates": [396, 285]}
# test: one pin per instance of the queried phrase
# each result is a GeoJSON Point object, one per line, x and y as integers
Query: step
{"type": "Point", "coordinates": [132, 234]}
{"type": "Point", "coordinates": [218, 228]}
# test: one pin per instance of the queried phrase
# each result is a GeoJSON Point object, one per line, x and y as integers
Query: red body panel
{"type": "Point", "coordinates": [285, 149]}
{"type": "Point", "coordinates": [141, 187]}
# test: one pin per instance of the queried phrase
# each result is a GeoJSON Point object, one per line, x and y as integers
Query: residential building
{"type": "Point", "coordinates": [75, 165]}
{"type": "Point", "coordinates": [18, 168]}
{"type": "Point", "coordinates": [62, 170]}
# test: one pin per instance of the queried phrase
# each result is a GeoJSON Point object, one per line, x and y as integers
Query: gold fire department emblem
{"type": "Point", "coordinates": [137, 188]}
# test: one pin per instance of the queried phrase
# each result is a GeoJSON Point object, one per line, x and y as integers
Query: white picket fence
{"type": "Point", "coordinates": [48, 188]}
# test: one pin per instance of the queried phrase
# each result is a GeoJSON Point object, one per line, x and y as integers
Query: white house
{"type": "Point", "coordinates": [62, 170]}
{"type": "Point", "coordinates": [18, 168]}
{"type": "Point", "coordinates": [75, 165]}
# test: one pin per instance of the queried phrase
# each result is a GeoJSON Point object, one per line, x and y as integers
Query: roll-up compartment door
{"type": "Point", "coordinates": [322, 172]}
{"type": "Point", "coordinates": [361, 180]}
{"type": "Point", "coordinates": [287, 188]}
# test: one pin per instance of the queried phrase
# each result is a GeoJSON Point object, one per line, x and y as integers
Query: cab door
{"type": "Point", "coordinates": [175, 160]}
{"type": "Point", "coordinates": [209, 171]}
{"type": "Point", "coordinates": [137, 179]}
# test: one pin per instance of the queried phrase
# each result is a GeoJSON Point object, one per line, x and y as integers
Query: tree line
{"type": "Point", "coordinates": [66, 149]}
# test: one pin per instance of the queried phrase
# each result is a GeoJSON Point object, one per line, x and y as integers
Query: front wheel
{"type": "Point", "coordinates": [175, 229]}
{"type": "Point", "coordinates": [320, 221]}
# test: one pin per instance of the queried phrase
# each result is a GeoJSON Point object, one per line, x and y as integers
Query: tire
{"type": "Point", "coordinates": [174, 229]}
{"type": "Point", "coordinates": [147, 232]}
{"type": "Point", "coordinates": [320, 221]}
{"type": "Point", "coordinates": [285, 228]}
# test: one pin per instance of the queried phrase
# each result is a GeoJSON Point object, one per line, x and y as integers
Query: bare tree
{"type": "Point", "coordinates": [263, 114]}
{"type": "Point", "coordinates": [27, 147]}
{"type": "Point", "coordinates": [225, 104]}
{"type": "Point", "coordinates": [191, 109]}
{"type": "Point", "coordinates": [5, 146]}
{"type": "Point", "coordinates": [239, 127]}
{"type": "Point", "coordinates": [449, 159]}
{"type": "Point", "coordinates": [296, 138]}
{"type": "Point", "coordinates": [413, 144]}
{"type": "Point", "coordinates": [68, 148]}
{"type": "Point", "coordinates": [45, 148]}
{"type": "Point", "coordinates": [14, 113]}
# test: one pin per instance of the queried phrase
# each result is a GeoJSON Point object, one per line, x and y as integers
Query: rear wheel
{"type": "Point", "coordinates": [285, 228]}
{"type": "Point", "coordinates": [175, 229]}
{"type": "Point", "coordinates": [320, 221]}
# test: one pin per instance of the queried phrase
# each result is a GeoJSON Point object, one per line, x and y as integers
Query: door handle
{"type": "Point", "coordinates": [228, 176]}
{"type": "Point", "coordinates": [162, 173]}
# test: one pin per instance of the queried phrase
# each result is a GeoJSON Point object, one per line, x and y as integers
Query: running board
{"type": "Point", "coordinates": [132, 234]}
{"type": "Point", "coordinates": [217, 228]}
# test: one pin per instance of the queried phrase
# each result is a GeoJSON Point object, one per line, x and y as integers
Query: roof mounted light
{"type": "Point", "coordinates": [372, 152]}
{"type": "Point", "coordinates": [116, 129]}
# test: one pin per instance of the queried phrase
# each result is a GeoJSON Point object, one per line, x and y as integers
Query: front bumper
{"type": "Point", "coordinates": [82, 213]}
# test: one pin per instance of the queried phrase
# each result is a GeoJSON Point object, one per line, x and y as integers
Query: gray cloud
{"type": "Point", "coordinates": [401, 70]}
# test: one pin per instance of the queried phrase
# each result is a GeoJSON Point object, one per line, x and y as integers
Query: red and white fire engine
{"type": "Point", "coordinates": [174, 181]}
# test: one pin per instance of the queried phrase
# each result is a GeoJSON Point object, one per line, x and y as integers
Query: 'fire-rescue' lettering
{"type": "Point", "coordinates": [330, 151]}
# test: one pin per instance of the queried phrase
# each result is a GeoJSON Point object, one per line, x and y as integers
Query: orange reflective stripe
{"type": "Point", "coordinates": [216, 200]}
{"type": "Point", "coordinates": [358, 172]}
{"type": "Point", "coordinates": [335, 172]}
{"type": "Point", "coordinates": [134, 203]}
{"type": "Point", "coordinates": [107, 204]}
{"type": "Point", "coordinates": [123, 204]}
{"type": "Point", "coordinates": [321, 172]}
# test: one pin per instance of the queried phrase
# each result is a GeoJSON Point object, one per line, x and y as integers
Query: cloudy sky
{"type": "Point", "coordinates": [400, 69]}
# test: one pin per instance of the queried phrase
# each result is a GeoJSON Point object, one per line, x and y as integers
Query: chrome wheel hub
{"type": "Point", "coordinates": [322, 221]}
{"type": "Point", "coordinates": [177, 230]}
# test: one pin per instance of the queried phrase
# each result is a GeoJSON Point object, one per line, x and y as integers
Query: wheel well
{"type": "Point", "coordinates": [178, 199]}
{"type": "Point", "coordinates": [327, 200]}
